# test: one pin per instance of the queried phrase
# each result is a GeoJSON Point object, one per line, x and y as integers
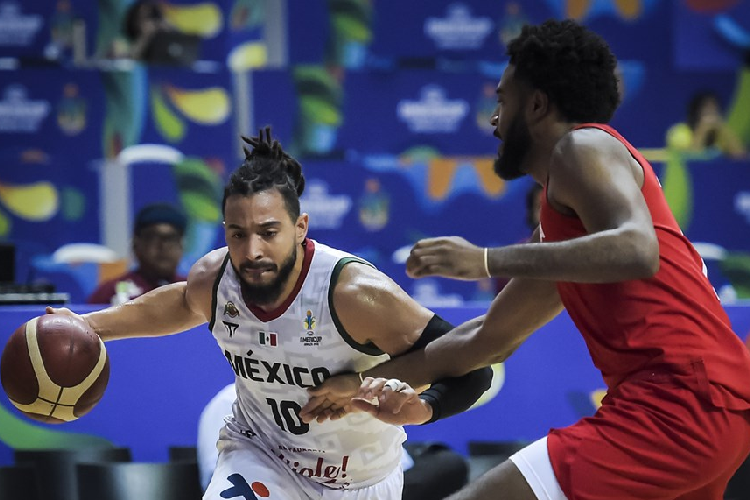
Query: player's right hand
{"type": "Point", "coordinates": [446, 256]}
{"type": "Point", "coordinates": [64, 311]}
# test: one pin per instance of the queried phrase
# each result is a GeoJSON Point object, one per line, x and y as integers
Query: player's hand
{"type": "Point", "coordinates": [64, 311]}
{"type": "Point", "coordinates": [446, 256]}
{"type": "Point", "coordinates": [392, 401]}
{"type": "Point", "coordinates": [331, 399]}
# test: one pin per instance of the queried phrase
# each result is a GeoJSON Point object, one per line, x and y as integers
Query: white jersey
{"type": "Point", "coordinates": [276, 356]}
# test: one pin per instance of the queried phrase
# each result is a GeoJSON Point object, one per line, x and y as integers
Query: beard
{"type": "Point", "coordinates": [516, 146]}
{"type": "Point", "coordinates": [268, 293]}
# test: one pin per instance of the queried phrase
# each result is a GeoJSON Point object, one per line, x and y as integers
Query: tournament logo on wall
{"type": "Point", "coordinates": [71, 111]}
{"type": "Point", "coordinates": [374, 206]}
{"type": "Point", "coordinates": [326, 210]}
{"type": "Point", "coordinates": [458, 30]}
{"type": "Point", "coordinates": [18, 113]}
{"type": "Point", "coordinates": [433, 113]}
{"type": "Point", "coordinates": [17, 29]}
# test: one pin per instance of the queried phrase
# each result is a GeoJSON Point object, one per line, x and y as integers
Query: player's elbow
{"type": "Point", "coordinates": [643, 250]}
{"type": "Point", "coordinates": [646, 261]}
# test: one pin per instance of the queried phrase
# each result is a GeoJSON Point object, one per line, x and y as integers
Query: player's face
{"type": "Point", "coordinates": [158, 248]}
{"type": "Point", "coordinates": [263, 240]}
{"type": "Point", "coordinates": [511, 128]}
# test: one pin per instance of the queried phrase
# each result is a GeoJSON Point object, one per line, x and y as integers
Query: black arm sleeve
{"type": "Point", "coordinates": [450, 396]}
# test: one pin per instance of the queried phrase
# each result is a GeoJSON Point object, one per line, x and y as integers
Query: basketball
{"type": "Point", "coordinates": [54, 368]}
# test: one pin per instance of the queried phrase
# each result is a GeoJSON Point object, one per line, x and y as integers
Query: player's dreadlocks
{"type": "Point", "coordinates": [572, 65]}
{"type": "Point", "coordinates": [267, 166]}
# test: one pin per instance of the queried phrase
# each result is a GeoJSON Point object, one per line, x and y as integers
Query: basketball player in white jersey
{"type": "Point", "coordinates": [288, 312]}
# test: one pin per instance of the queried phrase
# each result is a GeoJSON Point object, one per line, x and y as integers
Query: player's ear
{"type": "Point", "coordinates": [301, 227]}
{"type": "Point", "coordinates": [538, 105]}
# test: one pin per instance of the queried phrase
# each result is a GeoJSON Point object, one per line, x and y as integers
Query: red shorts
{"type": "Point", "coordinates": [654, 439]}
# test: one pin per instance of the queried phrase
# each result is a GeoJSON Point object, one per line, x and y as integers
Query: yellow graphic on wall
{"type": "Point", "coordinates": [203, 19]}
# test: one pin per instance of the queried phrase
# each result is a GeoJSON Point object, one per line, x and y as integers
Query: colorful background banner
{"type": "Point", "coordinates": [392, 129]}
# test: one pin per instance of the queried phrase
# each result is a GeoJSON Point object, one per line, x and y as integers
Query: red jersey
{"type": "Point", "coordinates": [673, 320]}
{"type": "Point", "coordinates": [136, 285]}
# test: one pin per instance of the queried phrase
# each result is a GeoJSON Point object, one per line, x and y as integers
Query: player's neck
{"type": "Point", "coordinates": [545, 141]}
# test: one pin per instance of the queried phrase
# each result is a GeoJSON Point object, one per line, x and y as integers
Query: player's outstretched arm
{"type": "Point", "coordinates": [522, 307]}
{"type": "Point", "coordinates": [592, 176]}
{"type": "Point", "coordinates": [166, 310]}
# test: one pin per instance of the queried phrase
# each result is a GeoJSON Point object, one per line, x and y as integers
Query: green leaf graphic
{"type": "Point", "coordinates": [18, 434]}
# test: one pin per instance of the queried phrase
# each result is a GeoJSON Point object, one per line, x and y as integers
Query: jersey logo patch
{"type": "Point", "coordinates": [231, 327]}
{"type": "Point", "coordinates": [309, 321]}
{"type": "Point", "coordinates": [231, 310]}
{"type": "Point", "coordinates": [267, 338]}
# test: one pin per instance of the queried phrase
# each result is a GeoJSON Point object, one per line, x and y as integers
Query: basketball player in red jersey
{"type": "Point", "coordinates": [675, 423]}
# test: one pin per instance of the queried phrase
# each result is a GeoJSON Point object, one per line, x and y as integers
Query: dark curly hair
{"type": "Point", "coordinates": [572, 65]}
{"type": "Point", "coordinates": [696, 103]}
{"type": "Point", "coordinates": [267, 166]}
{"type": "Point", "coordinates": [131, 23]}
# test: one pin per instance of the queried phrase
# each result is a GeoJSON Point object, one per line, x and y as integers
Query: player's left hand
{"type": "Point", "coordinates": [392, 401]}
{"type": "Point", "coordinates": [447, 256]}
{"type": "Point", "coordinates": [331, 399]}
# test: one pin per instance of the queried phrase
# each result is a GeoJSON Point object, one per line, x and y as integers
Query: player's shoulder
{"type": "Point", "coordinates": [359, 280]}
{"type": "Point", "coordinates": [584, 142]}
{"type": "Point", "coordinates": [206, 269]}
{"type": "Point", "coordinates": [361, 287]}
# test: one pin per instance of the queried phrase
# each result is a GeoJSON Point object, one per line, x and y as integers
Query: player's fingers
{"type": "Point", "coordinates": [360, 404]}
{"type": "Point", "coordinates": [426, 243]}
{"type": "Point", "coordinates": [371, 387]}
{"type": "Point", "coordinates": [319, 390]}
{"type": "Point", "coordinates": [314, 407]}
{"type": "Point", "coordinates": [365, 387]}
{"type": "Point", "coordinates": [314, 402]}
{"type": "Point", "coordinates": [320, 404]}
{"type": "Point", "coordinates": [343, 411]}
{"type": "Point", "coordinates": [394, 395]}
{"type": "Point", "coordinates": [323, 416]}
{"type": "Point", "coordinates": [424, 271]}
{"type": "Point", "coordinates": [394, 401]}
{"type": "Point", "coordinates": [328, 412]}
{"type": "Point", "coordinates": [59, 310]}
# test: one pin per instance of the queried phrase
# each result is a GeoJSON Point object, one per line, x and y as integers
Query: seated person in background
{"type": "Point", "coordinates": [143, 20]}
{"type": "Point", "coordinates": [157, 246]}
{"type": "Point", "coordinates": [705, 129]}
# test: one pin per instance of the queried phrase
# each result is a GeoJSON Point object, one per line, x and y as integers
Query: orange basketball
{"type": "Point", "coordinates": [54, 368]}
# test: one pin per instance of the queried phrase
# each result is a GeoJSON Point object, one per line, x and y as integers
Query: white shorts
{"type": "Point", "coordinates": [247, 470]}
{"type": "Point", "coordinates": [533, 462]}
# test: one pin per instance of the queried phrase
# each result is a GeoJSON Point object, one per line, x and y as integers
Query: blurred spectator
{"type": "Point", "coordinates": [143, 20]}
{"type": "Point", "coordinates": [705, 129]}
{"type": "Point", "coordinates": [533, 203]}
{"type": "Point", "coordinates": [157, 246]}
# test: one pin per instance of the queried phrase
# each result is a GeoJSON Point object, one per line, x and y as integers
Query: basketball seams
{"type": "Point", "coordinates": [54, 400]}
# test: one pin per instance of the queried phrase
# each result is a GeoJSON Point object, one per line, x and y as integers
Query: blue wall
{"type": "Point", "coordinates": [159, 386]}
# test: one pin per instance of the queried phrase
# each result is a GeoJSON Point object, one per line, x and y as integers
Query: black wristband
{"type": "Point", "coordinates": [450, 396]}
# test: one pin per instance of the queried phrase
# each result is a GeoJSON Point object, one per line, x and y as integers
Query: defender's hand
{"type": "Point", "coordinates": [447, 256]}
